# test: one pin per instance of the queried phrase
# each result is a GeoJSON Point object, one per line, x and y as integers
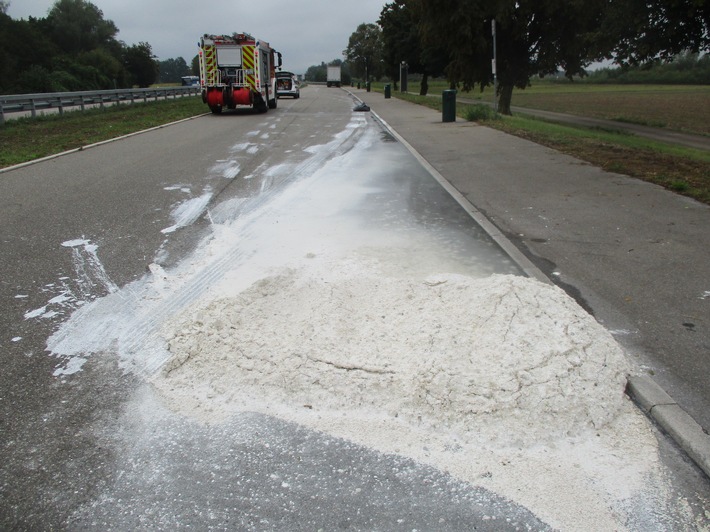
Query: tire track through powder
{"type": "Point", "coordinates": [501, 381]}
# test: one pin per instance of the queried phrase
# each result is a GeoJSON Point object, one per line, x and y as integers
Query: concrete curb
{"type": "Point", "coordinates": [661, 408]}
{"type": "Point", "coordinates": [648, 395]}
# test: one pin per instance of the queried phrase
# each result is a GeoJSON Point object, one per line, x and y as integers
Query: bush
{"type": "Point", "coordinates": [478, 112]}
{"type": "Point", "coordinates": [34, 80]}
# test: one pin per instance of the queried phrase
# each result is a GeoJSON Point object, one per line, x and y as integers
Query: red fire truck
{"type": "Point", "coordinates": [238, 70]}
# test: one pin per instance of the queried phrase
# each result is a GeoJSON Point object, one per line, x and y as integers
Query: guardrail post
{"type": "Point", "coordinates": [2, 115]}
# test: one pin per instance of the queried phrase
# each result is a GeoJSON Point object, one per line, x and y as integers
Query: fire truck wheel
{"type": "Point", "coordinates": [216, 109]}
{"type": "Point", "coordinates": [273, 103]}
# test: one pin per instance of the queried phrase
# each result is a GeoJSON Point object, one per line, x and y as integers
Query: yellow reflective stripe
{"type": "Point", "coordinates": [211, 64]}
{"type": "Point", "coordinates": [248, 64]}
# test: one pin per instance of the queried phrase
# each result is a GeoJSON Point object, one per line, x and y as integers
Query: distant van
{"type": "Point", "coordinates": [190, 80]}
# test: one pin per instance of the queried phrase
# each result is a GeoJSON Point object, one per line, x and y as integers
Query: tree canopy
{"type": "Point", "coordinates": [401, 42]}
{"type": "Point", "coordinates": [636, 31]}
{"type": "Point", "coordinates": [537, 37]}
{"type": "Point", "coordinates": [172, 70]}
{"type": "Point", "coordinates": [319, 73]}
{"type": "Point", "coordinates": [73, 48]}
{"type": "Point", "coordinates": [364, 51]}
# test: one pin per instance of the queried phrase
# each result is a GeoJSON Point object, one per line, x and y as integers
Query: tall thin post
{"type": "Point", "coordinates": [495, 59]}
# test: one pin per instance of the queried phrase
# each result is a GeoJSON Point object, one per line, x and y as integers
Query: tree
{"type": "Point", "coordinates": [109, 72]}
{"type": "Point", "coordinates": [15, 60]}
{"type": "Point", "coordinates": [402, 42]}
{"type": "Point", "coordinates": [319, 73]}
{"type": "Point", "coordinates": [316, 73]}
{"type": "Point", "coordinates": [636, 31]}
{"type": "Point", "coordinates": [73, 48]}
{"type": "Point", "coordinates": [364, 51]}
{"type": "Point", "coordinates": [172, 70]}
{"type": "Point", "coordinates": [140, 64]}
{"type": "Point", "coordinates": [77, 26]}
{"type": "Point", "coordinates": [534, 37]}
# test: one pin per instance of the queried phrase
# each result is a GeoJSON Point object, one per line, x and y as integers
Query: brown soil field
{"type": "Point", "coordinates": [685, 109]}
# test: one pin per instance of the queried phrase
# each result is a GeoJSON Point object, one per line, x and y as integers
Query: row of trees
{"type": "Point", "coordinates": [73, 48]}
{"type": "Point", "coordinates": [532, 38]}
{"type": "Point", "coordinates": [172, 70]}
{"type": "Point", "coordinates": [685, 69]}
{"type": "Point", "coordinates": [319, 73]}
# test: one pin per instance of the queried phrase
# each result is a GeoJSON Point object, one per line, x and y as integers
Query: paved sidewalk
{"type": "Point", "coordinates": [633, 254]}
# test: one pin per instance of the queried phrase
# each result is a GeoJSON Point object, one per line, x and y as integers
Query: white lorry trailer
{"type": "Point", "coordinates": [333, 76]}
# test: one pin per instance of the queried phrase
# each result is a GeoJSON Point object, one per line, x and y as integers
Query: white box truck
{"type": "Point", "coordinates": [333, 77]}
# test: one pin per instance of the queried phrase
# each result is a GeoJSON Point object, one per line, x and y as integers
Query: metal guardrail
{"type": "Point", "coordinates": [31, 103]}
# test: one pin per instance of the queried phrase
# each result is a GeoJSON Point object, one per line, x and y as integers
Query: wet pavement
{"type": "Point", "coordinates": [635, 255]}
{"type": "Point", "coordinates": [93, 443]}
{"type": "Point", "coordinates": [88, 446]}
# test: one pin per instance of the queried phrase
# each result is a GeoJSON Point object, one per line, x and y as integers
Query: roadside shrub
{"type": "Point", "coordinates": [479, 112]}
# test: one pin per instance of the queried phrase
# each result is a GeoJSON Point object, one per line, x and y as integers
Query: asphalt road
{"type": "Point", "coordinates": [633, 254]}
{"type": "Point", "coordinates": [94, 450]}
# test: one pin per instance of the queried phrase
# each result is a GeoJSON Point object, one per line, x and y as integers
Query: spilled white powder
{"type": "Point", "coordinates": [504, 357]}
{"type": "Point", "coordinates": [188, 211]}
{"type": "Point", "coordinates": [305, 307]}
{"type": "Point", "coordinates": [502, 381]}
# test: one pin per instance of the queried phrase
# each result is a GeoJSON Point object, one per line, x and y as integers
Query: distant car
{"type": "Point", "coordinates": [287, 84]}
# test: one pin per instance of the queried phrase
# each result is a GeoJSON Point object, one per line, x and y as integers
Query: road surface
{"type": "Point", "coordinates": [139, 274]}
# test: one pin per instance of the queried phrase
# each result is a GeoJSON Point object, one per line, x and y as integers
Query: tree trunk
{"type": "Point", "coordinates": [505, 94]}
{"type": "Point", "coordinates": [424, 87]}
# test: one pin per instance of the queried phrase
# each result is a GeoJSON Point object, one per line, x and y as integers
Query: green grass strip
{"type": "Point", "coordinates": [27, 139]}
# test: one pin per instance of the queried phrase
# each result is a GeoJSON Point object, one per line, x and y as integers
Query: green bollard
{"type": "Point", "coordinates": [388, 91]}
{"type": "Point", "coordinates": [448, 106]}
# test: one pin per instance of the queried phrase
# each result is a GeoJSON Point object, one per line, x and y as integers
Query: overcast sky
{"type": "Point", "coordinates": [306, 32]}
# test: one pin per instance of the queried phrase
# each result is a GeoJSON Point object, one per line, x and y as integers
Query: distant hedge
{"type": "Point", "coordinates": [685, 69]}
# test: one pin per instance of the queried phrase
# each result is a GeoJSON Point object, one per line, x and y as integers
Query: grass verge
{"type": "Point", "coordinates": [683, 170]}
{"type": "Point", "coordinates": [684, 108]}
{"type": "Point", "coordinates": [27, 139]}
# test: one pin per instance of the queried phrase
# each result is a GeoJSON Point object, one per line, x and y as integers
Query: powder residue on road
{"type": "Point", "coordinates": [504, 357]}
{"type": "Point", "coordinates": [355, 302]}
{"type": "Point", "coordinates": [502, 381]}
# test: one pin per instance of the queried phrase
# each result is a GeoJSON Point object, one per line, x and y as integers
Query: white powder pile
{"type": "Point", "coordinates": [502, 381]}
{"type": "Point", "coordinates": [504, 357]}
